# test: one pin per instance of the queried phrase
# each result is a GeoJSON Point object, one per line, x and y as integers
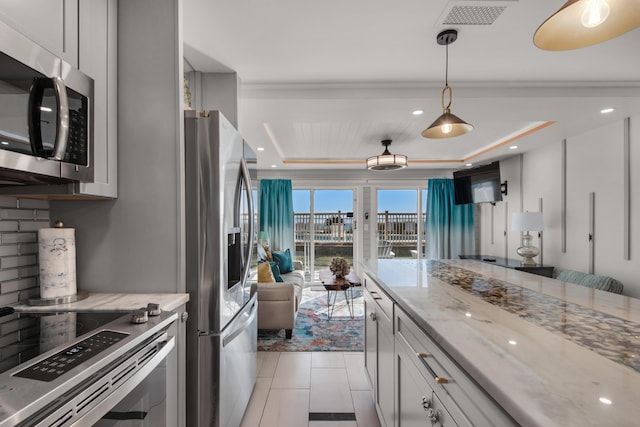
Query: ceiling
{"type": "Point", "coordinates": [322, 83]}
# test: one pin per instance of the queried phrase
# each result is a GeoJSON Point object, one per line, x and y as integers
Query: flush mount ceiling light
{"type": "Point", "coordinates": [386, 161]}
{"type": "Point", "coordinates": [447, 125]}
{"type": "Point", "coordinates": [581, 23]}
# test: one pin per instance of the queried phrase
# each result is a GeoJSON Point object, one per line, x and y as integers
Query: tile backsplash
{"type": "Point", "coordinates": [20, 220]}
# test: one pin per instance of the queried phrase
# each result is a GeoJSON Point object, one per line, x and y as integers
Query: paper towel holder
{"type": "Point", "coordinates": [66, 299]}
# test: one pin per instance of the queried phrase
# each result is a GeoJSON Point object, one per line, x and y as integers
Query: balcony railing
{"type": "Point", "coordinates": [337, 227]}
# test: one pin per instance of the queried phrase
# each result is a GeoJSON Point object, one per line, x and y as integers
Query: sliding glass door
{"type": "Point", "coordinates": [400, 223]}
{"type": "Point", "coordinates": [323, 228]}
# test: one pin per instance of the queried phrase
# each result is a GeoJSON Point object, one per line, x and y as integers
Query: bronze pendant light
{"type": "Point", "coordinates": [581, 23]}
{"type": "Point", "coordinates": [447, 125]}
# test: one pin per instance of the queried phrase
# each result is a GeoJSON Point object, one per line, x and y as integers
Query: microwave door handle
{"type": "Point", "coordinates": [247, 185]}
{"type": "Point", "coordinates": [62, 130]}
{"type": "Point", "coordinates": [35, 117]}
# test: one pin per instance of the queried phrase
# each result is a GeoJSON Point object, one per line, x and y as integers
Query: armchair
{"type": "Point", "coordinates": [278, 302]}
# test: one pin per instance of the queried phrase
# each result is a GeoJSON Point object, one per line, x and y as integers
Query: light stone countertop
{"type": "Point", "coordinates": [547, 351]}
{"type": "Point", "coordinates": [112, 302]}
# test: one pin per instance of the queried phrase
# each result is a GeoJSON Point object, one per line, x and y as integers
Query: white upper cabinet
{"type": "Point", "coordinates": [53, 24]}
{"type": "Point", "coordinates": [85, 34]}
{"type": "Point", "coordinates": [97, 46]}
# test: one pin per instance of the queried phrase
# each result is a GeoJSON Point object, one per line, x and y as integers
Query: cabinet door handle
{"type": "Point", "coordinates": [375, 295]}
{"type": "Point", "coordinates": [439, 380]}
{"type": "Point", "coordinates": [432, 414]}
{"type": "Point", "coordinates": [373, 316]}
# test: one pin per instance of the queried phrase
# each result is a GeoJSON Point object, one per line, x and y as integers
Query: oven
{"type": "Point", "coordinates": [82, 369]}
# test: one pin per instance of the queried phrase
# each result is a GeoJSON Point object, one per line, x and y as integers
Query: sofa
{"type": "Point", "coordinates": [278, 302]}
{"type": "Point", "coordinates": [603, 283]}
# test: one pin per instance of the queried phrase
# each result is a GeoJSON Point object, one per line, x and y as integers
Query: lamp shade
{"type": "Point", "coordinates": [387, 161]}
{"type": "Point", "coordinates": [526, 221]}
{"type": "Point", "coordinates": [447, 126]}
{"type": "Point", "coordinates": [581, 23]}
{"type": "Point", "coordinates": [263, 235]}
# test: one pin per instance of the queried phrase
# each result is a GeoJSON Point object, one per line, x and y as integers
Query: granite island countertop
{"type": "Point", "coordinates": [124, 302]}
{"type": "Point", "coordinates": [550, 353]}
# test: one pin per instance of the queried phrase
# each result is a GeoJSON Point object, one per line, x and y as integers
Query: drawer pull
{"type": "Point", "coordinates": [439, 380]}
{"type": "Point", "coordinates": [375, 295]}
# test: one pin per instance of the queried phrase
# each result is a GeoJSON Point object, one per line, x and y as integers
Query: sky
{"type": "Point", "coordinates": [395, 201]}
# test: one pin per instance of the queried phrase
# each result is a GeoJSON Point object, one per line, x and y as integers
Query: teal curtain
{"type": "Point", "coordinates": [450, 227]}
{"type": "Point", "coordinates": [276, 213]}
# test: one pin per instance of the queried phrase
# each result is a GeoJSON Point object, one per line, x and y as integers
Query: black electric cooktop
{"type": "Point", "coordinates": [24, 336]}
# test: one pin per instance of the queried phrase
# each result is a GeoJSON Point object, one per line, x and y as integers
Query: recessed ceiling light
{"type": "Point", "coordinates": [46, 109]}
{"type": "Point", "coordinates": [260, 148]}
{"type": "Point", "coordinates": [467, 314]}
{"type": "Point", "coordinates": [512, 342]}
{"type": "Point", "coordinates": [417, 112]}
{"type": "Point", "coordinates": [513, 147]}
{"type": "Point", "coordinates": [4, 143]}
{"type": "Point", "coordinates": [605, 401]}
{"type": "Point", "coordinates": [274, 166]}
{"type": "Point", "coordinates": [469, 164]}
{"type": "Point", "coordinates": [607, 110]}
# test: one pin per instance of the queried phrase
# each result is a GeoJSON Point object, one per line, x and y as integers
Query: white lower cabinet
{"type": "Point", "coordinates": [417, 404]}
{"type": "Point", "coordinates": [432, 389]}
{"type": "Point", "coordinates": [380, 350]}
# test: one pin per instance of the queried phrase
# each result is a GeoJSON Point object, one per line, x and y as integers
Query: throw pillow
{"type": "Point", "coordinates": [276, 272]}
{"type": "Point", "coordinates": [284, 261]}
{"type": "Point", "coordinates": [264, 273]}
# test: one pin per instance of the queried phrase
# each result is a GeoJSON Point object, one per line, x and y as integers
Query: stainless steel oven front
{"type": "Point", "coordinates": [117, 374]}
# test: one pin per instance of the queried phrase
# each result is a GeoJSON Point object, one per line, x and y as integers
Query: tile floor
{"type": "Point", "coordinates": [294, 387]}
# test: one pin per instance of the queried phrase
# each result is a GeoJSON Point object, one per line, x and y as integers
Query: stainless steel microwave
{"type": "Point", "coordinates": [46, 115]}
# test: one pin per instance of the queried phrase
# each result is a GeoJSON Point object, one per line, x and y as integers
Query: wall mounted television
{"type": "Point", "coordinates": [478, 185]}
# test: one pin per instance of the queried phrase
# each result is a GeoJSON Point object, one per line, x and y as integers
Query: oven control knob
{"type": "Point", "coordinates": [139, 316]}
{"type": "Point", "coordinates": [153, 309]}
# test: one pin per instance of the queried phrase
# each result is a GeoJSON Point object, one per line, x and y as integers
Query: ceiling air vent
{"type": "Point", "coordinates": [473, 12]}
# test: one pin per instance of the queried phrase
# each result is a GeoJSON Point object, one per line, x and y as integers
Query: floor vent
{"type": "Point", "coordinates": [332, 416]}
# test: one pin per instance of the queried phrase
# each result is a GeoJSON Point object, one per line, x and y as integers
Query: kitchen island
{"type": "Point", "coordinates": [549, 353]}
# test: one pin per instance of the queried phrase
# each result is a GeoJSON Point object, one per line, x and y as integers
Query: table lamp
{"type": "Point", "coordinates": [527, 221]}
{"type": "Point", "coordinates": [263, 240]}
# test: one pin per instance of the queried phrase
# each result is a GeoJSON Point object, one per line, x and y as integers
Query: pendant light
{"type": "Point", "coordinates": [581, 23]}
{"type": "Point", "coordinates": [447, 125]}
{"type": "Point", "coordinates": [386, 161]}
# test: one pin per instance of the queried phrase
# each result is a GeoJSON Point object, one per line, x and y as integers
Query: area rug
{"type": "Point", "coordinates": [314, 331]}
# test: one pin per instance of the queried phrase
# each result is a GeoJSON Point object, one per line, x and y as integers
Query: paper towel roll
{"type": "Point", "coordinates": [57, 256]}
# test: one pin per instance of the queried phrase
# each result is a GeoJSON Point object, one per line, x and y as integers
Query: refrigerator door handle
{"type": "Point", "coordinates": [247, 185]}
{"type": "Point", "coordinates": [239, 329]}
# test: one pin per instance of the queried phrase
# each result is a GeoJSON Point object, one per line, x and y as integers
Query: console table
{"type": "Point", "coordinates": [540, 270]}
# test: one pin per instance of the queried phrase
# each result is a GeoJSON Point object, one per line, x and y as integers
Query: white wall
{"type": "Point", "coordinates": [594, 163]}
{"type": "Point", "coordinates": [136, 242]}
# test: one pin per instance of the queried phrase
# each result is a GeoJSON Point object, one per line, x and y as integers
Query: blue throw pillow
{"type": "Point", "coordinates": [284, 261]}
{"type": "Point", "coordinates": [276, 271]}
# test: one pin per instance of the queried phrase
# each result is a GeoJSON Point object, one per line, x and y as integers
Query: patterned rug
{"type": "Point", "coordinates": [314, 331]}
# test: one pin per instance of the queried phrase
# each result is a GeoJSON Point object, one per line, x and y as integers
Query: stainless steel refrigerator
{"type": "Point", "coordinates": [220, 223]}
